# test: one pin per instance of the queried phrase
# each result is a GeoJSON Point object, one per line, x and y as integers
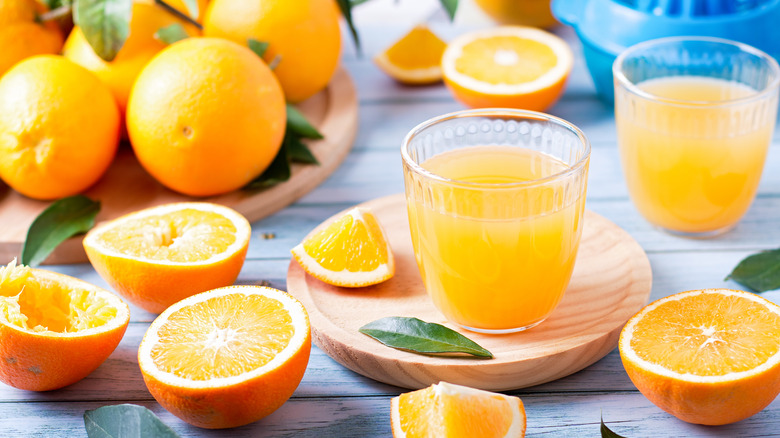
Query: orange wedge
{"type": "Point", "coordinates": [226, 357]}
{"type": "Point", "coordinates": [707, 356]}
{"type": "Point", "coordinates": [352, 251]}
{"type": "Point", "coordinates": [54, 329]}
{"type": "Point", "coordinates": [415, 58]}
{"type": "Point", "coordinates": [160, 255]}
{"type": "Point", "coordinates": [453, 411]}
{"type": "Point", "coordinates": [508, 67]}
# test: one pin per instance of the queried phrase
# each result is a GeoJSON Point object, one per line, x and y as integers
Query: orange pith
{"type": "Point", "coordinates": [709, 356]}
{"type": "Point", "coordinates": [415, 58]}
{"type": "Point", "coordinates": [226, 357]}
{"type": "Point", "coordinates": [54, 329]}
{"type": "Point", "coordinates": [455, 411]}
{"type": "Point", "coordinates": [352, 251]}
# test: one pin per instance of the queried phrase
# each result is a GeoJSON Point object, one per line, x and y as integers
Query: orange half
{"type": "Point", "coordinates": [415, 58]}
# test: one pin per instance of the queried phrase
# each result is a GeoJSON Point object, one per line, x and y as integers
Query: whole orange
{"type": "Point", "coordinates": [304, 34]}
{"type": "Point", "coordinates": [139, 48]}
{"type": "Point", "coordinates": [535, 13]}
{"type": "Point", "coordinates": [59, 127]}
{"type": "Point", "coordinates": [206, 116]}
{"type": "Point", "coordinates": [21, 36]}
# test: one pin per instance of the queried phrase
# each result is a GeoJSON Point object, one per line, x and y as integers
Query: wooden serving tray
{"type": "Point", "coordinates": [126, 187]}
{"type": "Point", "coordinates": [611, 282]}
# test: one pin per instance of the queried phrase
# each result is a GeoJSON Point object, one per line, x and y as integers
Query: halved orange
{"type": "Point", "coordinates": [707, 356]}
{"type": "Point", "coordinates": [54, 329]}
{"type": "Point", "coordinates": [160, 255]}
{"type": "Point", "coordinates": [226, 357]}
{"type": "Point", "coordinates": [415, 58]}
{"type": "Point", "coordinates": [508, 67]}
{"type": "Point", "coordinates": [352, 251]}
{"type": "Point", "coordinates": [454, 411]}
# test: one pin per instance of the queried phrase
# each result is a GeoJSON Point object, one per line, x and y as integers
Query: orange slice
{"type": "Point", "coordinates": [160, 255]}
{"type": "Point", "coordinates": [226, 357]}
{"type": "Point", "coordinates": [415, 58]}
{"type": "Point", "coordinates": [54, 329]}
{"type": "Point", "coordinates": [508, 66]}
{"type": "Point", "coordinates": [453, 411]}
{"type": "Point", "coordinates": [707, 356]}
{"type": "Point", "coordinates": [352, 251]}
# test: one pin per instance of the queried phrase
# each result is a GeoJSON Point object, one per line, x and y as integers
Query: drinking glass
{"type": "Point", "coordinates": [694, 119]}
{"type": "Point", "coordinates": [495, 200]}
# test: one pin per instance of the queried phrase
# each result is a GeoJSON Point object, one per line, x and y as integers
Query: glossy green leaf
{"type": "Point", "coordinates": [297, 123]}
{"type": "Point", "coordinates": [171, 34]}
{"type": "Point", "coordinates": [606, 432]}
{"type": "Point", "coordinates": [61, 220]}
{"type": "Point", "coordinates": [259, 47]}
{"type": "Point", "coordinates": [760, 272]}
{"type": "Point", "coordinates": [346, 11]}
{"type": "Point", "coordinates": [299, 152]}
{"type": "Point", "coordinates": [105, 24]}
{"type": "Point", "coordinates": [451, 6]}
{"type": "Point", "coordinates": [278, 171]}
{"type": "Point", "coordinates": [418, 336]}
{"type": "Point", "coordinates": [125, 421]}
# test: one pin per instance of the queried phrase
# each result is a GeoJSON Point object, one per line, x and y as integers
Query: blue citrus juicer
{"type": "Point", "coordinates": [607, 27]}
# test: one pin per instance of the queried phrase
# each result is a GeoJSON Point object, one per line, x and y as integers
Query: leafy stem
{"type": "Point", "coordinates": [179, 13]}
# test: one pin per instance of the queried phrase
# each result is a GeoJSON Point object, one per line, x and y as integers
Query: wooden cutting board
{"type": "Point", "coordinates": [611, 282]}
{"type": "Point", "coordinates": [126, 187]}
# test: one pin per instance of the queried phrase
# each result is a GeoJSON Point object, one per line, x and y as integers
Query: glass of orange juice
{"type": "Point", "coordinates": [495, 200]}
{"type": "Point", "coordinates": [694, 118]}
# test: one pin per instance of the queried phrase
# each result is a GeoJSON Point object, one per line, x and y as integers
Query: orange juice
{"type": "Point", "coordinates": [496, 253]}
{"type": "Point", "coordinates": [693, 167]}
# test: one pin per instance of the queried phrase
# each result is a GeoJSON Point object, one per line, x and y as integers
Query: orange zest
{"type": "Point", "coordinates": [415, 58]}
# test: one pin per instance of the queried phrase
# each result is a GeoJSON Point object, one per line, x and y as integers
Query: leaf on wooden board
{"type": "Point", "coordinates": [606, 432]}
{"type": "Point", "coordinates": [171, 34]}
{"type": "Point", "coordinates": [418, 336]}
{"type": "Point", "coordinates": [125, 421]}
{"type": "Point", "coordinates": [259, 47]}
{"type": "Point", "coordinates": [105, 24]}
{"type": "Point", "coordinates": [346, 11]}
{"type": "Point", "coordinates": [760, 272]}
{"type": "Point", "coordinates": [58, 222]}
{"type": "Point", "coordinates": [451, 6]}
{"type": "Point", "coordinates": [299, 152]}
{"type": "Point", "coordinates": [297, 123]}
{"type": "Point", "coordinates": [278, 171]}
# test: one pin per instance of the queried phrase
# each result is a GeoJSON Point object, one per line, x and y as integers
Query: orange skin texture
{"type": "Point", "coordinates": [21, 37]}
{"type": "Point", "coordinates": [206, 116]}
{"type": "Point", "coordinates": [52, 145]}
{"type": "Point", "coordinates": [712, 404]}
{"type": "Point", "coordinates": [154, 287]}
{"type": "Point", "coordinates": [233, 406]}
{"type": "Point", "coordinates": [305, 33]}
{"type": "Point", "coordinates": [539, 100]}
{"type": "Point", "coordinates": [140, 47]}
{"type": "Point", "coordinates": [37, 362]}
{"type": "Point", "coordinates": [535, 13]}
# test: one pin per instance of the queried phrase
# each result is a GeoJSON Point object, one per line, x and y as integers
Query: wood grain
{"type": "Point", "coordinates": [126, 187]}
{"type": "Point", "coordinates": [611, 282]}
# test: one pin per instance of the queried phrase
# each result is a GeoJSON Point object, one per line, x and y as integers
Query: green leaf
{"type": "Point", "coordinates": [299, 152]}
{"type": "Point", "coordinates": [192, 8]}
{"type": "Point", "coordinates": [62, 219]}
{"type": "Point", "coordinates": [451, 6]}
{"type": "Point", "coordinates": [125, 421]}
{"type": "Point", "coordinates": [419, 336]}
{"type": "Point", "coordinates": [297, 123]}
{"type": "Point", "coordinates": [54, 4]}
{"type": "Point", "coordinates": [346, 11]}
{"type": "Point", "coordinates": [259, 47]}
{"type": "Point", "coordinates": [278, 171]}
{"type": "Point", "coordinates": [606, 433]}
{"type": "Point", "coordinates": [105, 24]}
{"type": "Point", "coordinates": [760, 272]}
{"type": "Point", "coordinates": [171, 34]}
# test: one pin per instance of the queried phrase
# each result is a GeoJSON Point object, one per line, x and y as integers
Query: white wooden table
{"type": "Point", "coordinates": [332, 401]}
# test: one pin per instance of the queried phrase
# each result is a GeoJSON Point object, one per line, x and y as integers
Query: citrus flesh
{"type": "Point", "coordinates": [54, 329]}
{"type": "Point", "coordinates": [707, 356]}
{"type": "Point", "coordinates": [352, 251]}
{"type": "Point", "coordinates": [160, 255]}
{"type": "Point", "coordinates": [507, 66]}
{"type": "Point", "coordinates": [447, 410]}
{"type": "Point", "coordinates": [226, 357]}
{"type": "Point", "coordinates": [415, 58]}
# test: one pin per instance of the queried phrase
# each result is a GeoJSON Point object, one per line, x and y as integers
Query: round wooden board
{"type": "Point", "coordinates": [126, 187]}
{"type": "Point", "coordinates": [611, 282]}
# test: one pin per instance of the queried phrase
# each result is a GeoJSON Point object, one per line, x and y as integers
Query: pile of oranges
{"type": "Point", "coordinates": [204, 115]}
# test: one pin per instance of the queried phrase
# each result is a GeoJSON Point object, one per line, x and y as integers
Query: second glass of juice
{"type": "Point", "coordinates": [694, 119]}
{"type": "Point", "coordinates": [495, 200]}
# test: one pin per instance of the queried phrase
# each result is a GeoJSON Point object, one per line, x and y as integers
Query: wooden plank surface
{"type": "Point", "coordinates": [335, 402]}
